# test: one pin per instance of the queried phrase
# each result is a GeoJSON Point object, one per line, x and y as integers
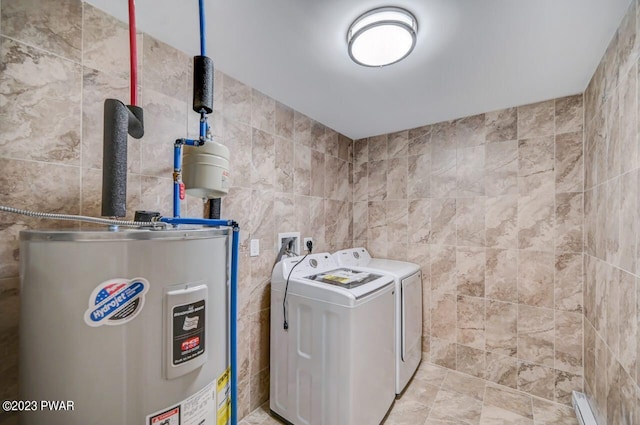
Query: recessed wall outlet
{"type": "Point", "coordinates": [294, 246]}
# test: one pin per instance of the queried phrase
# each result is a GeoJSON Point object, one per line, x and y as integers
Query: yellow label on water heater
{"type": "Point", "coordinates": [223, 398]}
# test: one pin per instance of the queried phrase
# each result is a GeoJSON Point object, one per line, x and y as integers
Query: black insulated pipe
{"type": "Point", "coordinates": [214, 208]}
{"type": "Point", "coordinates": [136, 121]}
{"type": "Point", "coordinates": [202, 84]}
{"type": "Point", "coordinates": [119, 121]}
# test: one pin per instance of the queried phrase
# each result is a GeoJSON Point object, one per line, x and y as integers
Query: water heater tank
{"type": "Point", "coordinates": [127, 327]}
{"type": "Point", "coordinates": [205, 170]}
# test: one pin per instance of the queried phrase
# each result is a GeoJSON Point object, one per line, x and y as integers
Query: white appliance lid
{"type": "Point", "coordinates": [345, 278]}
{"type": "Point", "coordinates": [400, 268]}
{"type": "Point", "coordinates": [311, 265]}
{"type": "Point", "coordinates": [360, 257]}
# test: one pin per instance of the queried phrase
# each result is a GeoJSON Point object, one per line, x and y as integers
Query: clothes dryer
{"type": "Point", "coordinates": [408, 307]}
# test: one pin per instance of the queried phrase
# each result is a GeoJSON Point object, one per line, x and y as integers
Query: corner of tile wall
{"type": "Point", "coordinates": [491, 206]}
{"type": "Point", "coordinates": [611, 287]}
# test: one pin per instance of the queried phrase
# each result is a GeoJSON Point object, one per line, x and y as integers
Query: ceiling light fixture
{"type": "Point", "coordinates": [382, 36]}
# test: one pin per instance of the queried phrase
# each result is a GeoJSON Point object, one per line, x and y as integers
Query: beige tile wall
{"type": "Point", "coordinates": [491, 207]}
{"type": "Point", "coordinates": [59, 59]}
{"type": "Point", "coordinates": [611, 297]}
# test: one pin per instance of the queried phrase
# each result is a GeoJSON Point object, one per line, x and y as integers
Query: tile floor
{"type": "Point", "coordinates": [438, 396]}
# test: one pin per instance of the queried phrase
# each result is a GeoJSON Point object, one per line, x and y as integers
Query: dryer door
{"type": "Point", "coordinates": [411, 315]}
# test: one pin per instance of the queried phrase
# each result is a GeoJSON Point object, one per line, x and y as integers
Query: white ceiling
{"type": "Point", "coordinates": [471, 56]}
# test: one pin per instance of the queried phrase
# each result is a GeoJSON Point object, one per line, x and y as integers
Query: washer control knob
{"type": "Point", "coordinates": [355, 254]}
{"type": "Point", "coordinates": [313, 263]}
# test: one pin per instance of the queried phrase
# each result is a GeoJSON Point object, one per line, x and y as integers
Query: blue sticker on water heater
{"type": "Point", "coordinates": [116, 301]}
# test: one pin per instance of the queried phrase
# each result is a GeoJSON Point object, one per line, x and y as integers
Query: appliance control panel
{"type": "Point", "coordinates": [353, 257]}
{"type": "Point", "coordinates": [309, 265]}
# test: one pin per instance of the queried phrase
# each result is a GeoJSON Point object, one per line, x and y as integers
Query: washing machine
{"type": "Point", "coordinates": [408, 307]}
{"type": "Point", "coordinates": [332, 343]}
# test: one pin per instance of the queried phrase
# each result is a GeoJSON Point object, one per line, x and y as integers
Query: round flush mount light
{"type": "Point", "coordinates": [382, 36]}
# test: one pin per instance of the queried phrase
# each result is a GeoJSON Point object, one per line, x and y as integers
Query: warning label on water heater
{"type": "Point", "coordinates": [169, 417]}
{"type": "Point", "coordinates": [199, 409]}
{"type": "Point", "coordinates": [224, 399]}
{"type": "Point", "coordinates": [188, 331]}
{"type": "Point", "coordinates": [116, 301]}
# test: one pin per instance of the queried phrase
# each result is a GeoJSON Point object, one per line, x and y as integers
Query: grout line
{"type": "Point", "coordinates": [81, 198]}
{"type": "Point", "coordinates": [484, 393]}
{"type": "Point", "coordinates": [42, 50]}
{"type": "Point", "coordinates": [533, 416]}
{"type": "Point", "coordinates": [555, 237]}
{"type": "Point", "coordinates": [584, 238]}
{"type": "Point", "coordinates": [501, 387]}
{"type": "Point", "coordinates": [35, 161]}
{"type": "Point", "coordinates": [455, 227]}
{"type": "Point", "coordinates": [517, 248]}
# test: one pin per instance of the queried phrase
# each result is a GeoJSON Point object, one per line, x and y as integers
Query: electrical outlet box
{"type": "Point", "coordinates": [255, 247]}
{"type": "Point", "coordinates": [296, 241]}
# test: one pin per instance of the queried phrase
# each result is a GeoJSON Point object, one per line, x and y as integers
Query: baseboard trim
{"type": "Point", "coordinates": [583, 409]}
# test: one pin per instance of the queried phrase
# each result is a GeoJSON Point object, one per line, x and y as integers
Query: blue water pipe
{"type": "Point", "coordinates": [198, 221]}
{"type": "Point", "coordinates": [177, 181]}
{"type": "Point", "coordinates": [204, 127]}
{"type": "Point", "coordinates": [177, 171]}
{"type": "Point", "coordinates": [235, 240]}
{"type": "Point", "coordinates": [204, 130]}
{"type": "Point", "coordinates": [233, 308]}
{"type": "Point", "coordinates": [203, 34]}
{"type": "Point", "coordinates": [235, 249]}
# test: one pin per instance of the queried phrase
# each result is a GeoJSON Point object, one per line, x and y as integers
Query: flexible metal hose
{"type": "Point", "coordinates": [84, 218]}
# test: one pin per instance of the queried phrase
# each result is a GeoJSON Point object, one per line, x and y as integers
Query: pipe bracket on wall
{"type": "Point", "coordinates": [120, 120]}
